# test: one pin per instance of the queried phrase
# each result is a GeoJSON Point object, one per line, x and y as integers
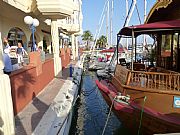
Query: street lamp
{"type": "Point", "coordinates": [33, 23]}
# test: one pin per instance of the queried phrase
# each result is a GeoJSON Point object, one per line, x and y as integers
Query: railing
{"type": "Point", "coordinates": [154, 80]}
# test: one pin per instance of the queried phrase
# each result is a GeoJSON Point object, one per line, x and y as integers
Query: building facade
{"type": "Point", "coordinates": [60, 22]}
{"type": "Point", "coordinates": [56, 17]}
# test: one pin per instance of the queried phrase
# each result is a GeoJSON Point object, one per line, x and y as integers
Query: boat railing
{"type": "Point", "coordinates": [154, 80]}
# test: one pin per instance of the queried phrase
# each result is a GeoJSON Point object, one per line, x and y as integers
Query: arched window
{"type": "Point", "coordinates": [16, 35]}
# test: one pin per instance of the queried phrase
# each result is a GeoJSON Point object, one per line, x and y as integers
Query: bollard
{"type": "Point", "coordinates": [70, 70]}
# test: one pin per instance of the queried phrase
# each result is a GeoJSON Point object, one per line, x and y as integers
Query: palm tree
{"type": "Point", "coordinates": [87, 36]}
{"type": "Point", "coordinates": [98, 44]}
{"type": "Point", "coordinates": [102, 41]}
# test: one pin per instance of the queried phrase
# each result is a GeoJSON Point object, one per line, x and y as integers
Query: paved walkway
{"type": "Point", "coordinates": [27, 120]}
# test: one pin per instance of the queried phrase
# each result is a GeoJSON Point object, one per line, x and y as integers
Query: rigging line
{"type": "Point", "coordinates": [108, 116]}
{"type": "Point", "coordinates": [138, 14]}
{"type": "Point", "coordinates": [98, 33]}
{"type": "Point", "coordinates": [100, 20]}
{"type": "Point", "coordinates": [102, 15]}
{"type": "Point", "coordinates": [131, 9]}
{"type": "Point", "coordinates": [128, 17]}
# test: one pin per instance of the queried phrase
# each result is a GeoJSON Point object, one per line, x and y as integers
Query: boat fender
{"type": "Point", "coordinates": [123, 98]}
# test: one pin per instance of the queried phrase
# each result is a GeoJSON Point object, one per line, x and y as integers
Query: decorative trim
{"type": "Point", "coordinates": [159, 4]}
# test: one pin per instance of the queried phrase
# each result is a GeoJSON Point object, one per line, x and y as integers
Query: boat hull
{"type": "Point", "coordinates": [130, 114]}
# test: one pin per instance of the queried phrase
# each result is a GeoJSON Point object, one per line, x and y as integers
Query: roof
{"type": "Point", "coordinates": [160, 9]}
{"type": "Point", "coordinates": [151, 28]}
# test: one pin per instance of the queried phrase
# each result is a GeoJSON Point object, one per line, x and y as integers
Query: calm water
{"type": "Point", "coordinates": [91, 111]}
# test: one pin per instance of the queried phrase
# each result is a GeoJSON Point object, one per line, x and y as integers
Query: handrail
{"type": "Point", "coordinates": [154, 80]}
{"type": "Point", "coordinates": [168, 81]}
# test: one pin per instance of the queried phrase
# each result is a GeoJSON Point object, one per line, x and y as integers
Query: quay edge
{"type": "Point", "coordinates": [57, 119]}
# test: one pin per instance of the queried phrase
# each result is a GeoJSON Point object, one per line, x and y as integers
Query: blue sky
{"type": "Point", "coordinates": [92, 10]}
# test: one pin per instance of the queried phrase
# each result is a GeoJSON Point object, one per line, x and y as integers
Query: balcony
{"type": "Point", "coordinates": [25, 6]}
{"type": "Point", "coordinates": [69, 26]}
{"type": "Point", "coordinates": [58, 9]}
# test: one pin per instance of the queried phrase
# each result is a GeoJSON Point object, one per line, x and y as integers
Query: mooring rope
{"type": "Point", "coordinates": [142, 111]}
{"type": "Point", "coordinates": [108, 116]}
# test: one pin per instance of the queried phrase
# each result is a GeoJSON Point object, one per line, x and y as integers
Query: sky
{"type": "Point", "coordinates": [92, 10]}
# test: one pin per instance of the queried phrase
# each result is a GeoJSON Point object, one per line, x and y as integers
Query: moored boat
{"type": "Point", "coordinates": [147, 99]}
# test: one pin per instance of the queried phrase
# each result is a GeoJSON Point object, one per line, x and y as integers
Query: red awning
{"type": "Point", "coordinates": [151, 28]}
{"type": "Point", "coordinates": [111, 50]}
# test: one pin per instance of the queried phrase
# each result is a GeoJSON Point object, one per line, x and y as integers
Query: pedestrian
{"type": "Point", "coordinates": [6, 44]}
{"type": "Point", "coordinates": [20, 53]}
{"type": "Point", "coordinates": [7, 61]}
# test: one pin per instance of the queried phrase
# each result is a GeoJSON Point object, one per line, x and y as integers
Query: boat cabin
{"type": "Point", "coordinates": [165, 73]}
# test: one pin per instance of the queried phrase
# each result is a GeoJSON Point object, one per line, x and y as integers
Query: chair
{"type": "Point", "coordinates": [139, 67]}
{"type": "Point", "coordinates": [122, 62]}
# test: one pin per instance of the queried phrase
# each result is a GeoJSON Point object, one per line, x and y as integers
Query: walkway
{"type": "Point", "coordinates": [27, 120]}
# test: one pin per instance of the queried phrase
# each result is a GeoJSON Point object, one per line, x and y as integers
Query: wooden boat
{"type": "Point", "coordinates": [147, 100]}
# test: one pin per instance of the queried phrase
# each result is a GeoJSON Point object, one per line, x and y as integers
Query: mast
{"type": "Point", "coordinates": [127, 9]}
{"type": "Point", "coordinates": [144, 37]}
{"type": "Point", "coordinates": [107, 24]}
{"type": "Point", "coordinates": [111, 22]}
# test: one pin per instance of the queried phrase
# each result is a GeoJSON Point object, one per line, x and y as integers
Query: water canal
{"type": "Point", "coordinates": [91, 111]}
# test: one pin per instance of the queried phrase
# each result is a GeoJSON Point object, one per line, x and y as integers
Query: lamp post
{"type": "Point", "coordinates": [33, 23]}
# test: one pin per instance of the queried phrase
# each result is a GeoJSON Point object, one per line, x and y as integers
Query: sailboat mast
{"type": "Point", "coordinates": [111, 22]}
{"type": "Point", "coordinates": [144, 37]}
{"type": "Point", "coordinates": [107, 24]}
{"type": "Point", "coordinates": [127, 9]}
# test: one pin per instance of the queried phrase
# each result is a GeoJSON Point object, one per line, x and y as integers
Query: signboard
{"type": "Point", "coordinates": [176, 102]}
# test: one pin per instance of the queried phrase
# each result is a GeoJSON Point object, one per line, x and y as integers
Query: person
{"type": "Point", "coordinates": [7, 62]}
{"type": "Point", "coordinates": [6, 44]}
{"type": "Point", "coordinates": [42, 53]}
{"type": "Point", "coordinates": [20, 53]}
{"type": "Point", "coordinates": [6, 58]}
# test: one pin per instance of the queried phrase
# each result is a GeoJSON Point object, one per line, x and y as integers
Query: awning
{"type": "Point", "coordinates": [151, 28]}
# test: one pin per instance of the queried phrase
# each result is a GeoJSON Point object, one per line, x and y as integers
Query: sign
{"type": "Point", "coordinates": [176, 102]}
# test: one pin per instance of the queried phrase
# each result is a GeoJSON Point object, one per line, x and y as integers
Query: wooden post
{"type": "Point", "coordinates": [135, 48]}
{"type": "Point", "coordinates": [117, 47]}
{"type": "Point", "coordinates": [172, 45]}
{"type": "Point", "coordinates": [178, 55]}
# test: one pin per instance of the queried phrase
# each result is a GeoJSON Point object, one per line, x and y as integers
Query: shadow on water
{"type": "Point", "coordinates": [91, 112]}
